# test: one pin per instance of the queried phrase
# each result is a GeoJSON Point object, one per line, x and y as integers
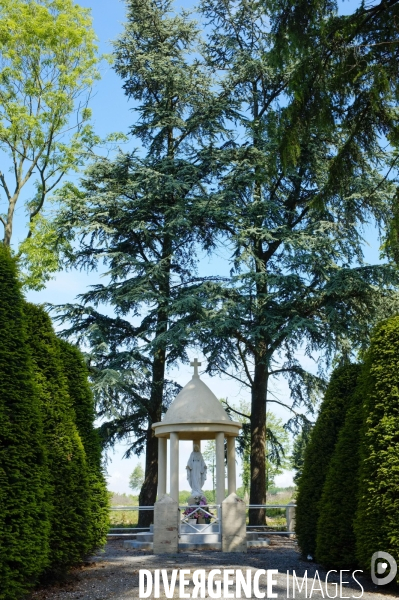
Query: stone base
{"type": "Point", "coordinates": [166, 526]}
{"type": "Point", "coordinates": [189, 541]}
{"type": "Point", "coordinates": [234, 534]}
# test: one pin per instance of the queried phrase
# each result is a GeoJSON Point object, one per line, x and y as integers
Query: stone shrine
{"type": "Point", "coordinates": [196, 414]}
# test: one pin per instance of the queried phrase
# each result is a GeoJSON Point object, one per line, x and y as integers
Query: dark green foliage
{"type": "Point", "coordinates": [294, 189]}
{"type": "Point", "coordinates": [83, 403]}
{"type": "Point", "coordinates": [69, 476]}
{"type": "Point", "coordinates": [319, 452]}
{"type": "Point", "coordinates": [298, 451]}
{"type": "Point", "coordinates": [377, 519]}
{"type": "Point", "coordinates": [24, 523]}
{"type": "Point", "coordinates": [335, 535]}
{"type": "Point", "coordinates": [144, 213]}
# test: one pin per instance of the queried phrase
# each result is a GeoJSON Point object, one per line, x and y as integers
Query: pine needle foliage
{"type": "Point", "coordinates": [295, 186]}
{"type": "Point", "coordinates": [69, 473]}
{"type": "Point", "coordinates": [142, 215]}
{"type": "Point", "coordinates": [335, 544]}
{"type": "Point", "coordinates": [24, 490]}
{"type": "Point", "coordinates": [319, 452]}
{"type": "Point", "coordinates": [377, 518]}
{"type": "Point", "coordinates": [81, 395]}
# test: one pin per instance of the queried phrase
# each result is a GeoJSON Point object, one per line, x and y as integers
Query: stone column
{"type": "Point", "coordinates": [166, 526]}
{"type": "Point", "coordinates": [231, 465]}
{"type": "Point", "coordinates": [290, 516]}
{"type": "Point", "coordinates": [174, 466]}
{"type": "Point", "coordinates": [162, 462]}
{"type": "Point", "coordinates": [234, 534]}
{"type": "Point", "coordinates": [219, 468]}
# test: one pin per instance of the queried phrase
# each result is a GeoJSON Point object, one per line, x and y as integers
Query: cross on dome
{"type": "Point", "coordinates": [195, 364]}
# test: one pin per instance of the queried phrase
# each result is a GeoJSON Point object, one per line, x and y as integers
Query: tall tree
{"type": "Point", "coordinates": [70, 516]}
{"type": "Point", "coordinates": [295, 188]}
{"type": "Point", "coordinates": [277, 445]}
{"type": "Point", "coordinates": [24, 474]}
{"type": "Point", "coordinates": [77, 374]}
{"type": "Point", "coordinates": [142, 215]}
{"type": "Point", "coordinates": [376, 522]}
{"type": "Point", "coordinates": [47, 66]}
{"type": "Point", "coordinates": [319, 452]}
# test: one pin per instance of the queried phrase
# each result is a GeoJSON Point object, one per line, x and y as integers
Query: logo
{"type": "Point", "coordinates": [380, 561]}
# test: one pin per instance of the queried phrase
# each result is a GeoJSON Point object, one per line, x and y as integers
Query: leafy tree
{"type": "Point", "coordinates": [47, 66]}
{"type": "Point", "coordinates": [81, 395]}
{"type": "Point", "coordinates": [295, 186]}
{"type": "Point", "coordinates": [141, 215]}
{"type": "Point", "coordinates": [319, 452]}
{"type": "Point", "coordinates": [136, 479]}
{"type": "Point", "coordinates": [70, 518]}
{"type": "Point", "coordinates": [335, 540]}
{"type": "Point", "coordinates": [377, 517]}
{"type": "Point", "coordinates": [24, 490]}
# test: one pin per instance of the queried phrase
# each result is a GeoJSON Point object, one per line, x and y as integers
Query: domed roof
{"type": "Point", "coordinates": [196, 403]}
{"type": "Point", "coordinates": [196, 409]}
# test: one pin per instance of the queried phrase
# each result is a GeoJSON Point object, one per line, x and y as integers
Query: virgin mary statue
{"type": "Point", "coordinates": [196, 471]}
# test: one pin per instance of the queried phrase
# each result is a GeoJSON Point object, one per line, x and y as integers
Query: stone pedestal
{"type": "Point", "coordinates": [290, 516]}
{"type": "Point", "coordinates": [166, 526]}
{"type": "Point", "coordinates": [234, 534]}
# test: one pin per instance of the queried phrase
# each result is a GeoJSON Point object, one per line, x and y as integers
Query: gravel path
{"type": "Point", "coordinates": [114, 574]}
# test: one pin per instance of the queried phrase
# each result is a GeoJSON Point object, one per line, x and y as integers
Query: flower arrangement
{"type": "Point", "coordinates": [194, 513]}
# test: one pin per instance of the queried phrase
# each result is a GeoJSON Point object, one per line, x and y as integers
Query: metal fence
{"type": "Point", "coordinates": [190, 515]}
{"type": "Point", "coordinates": [208, 513]}
{"type": "Point", "coordinates": [288, 511]}
{"type": "Point", "coordinates": [124, 530]}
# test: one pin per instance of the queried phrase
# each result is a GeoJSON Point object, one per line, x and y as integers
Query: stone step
{"type": "Point", "coordinates": [200, 538]}
{"type": "Point", "coordinates": [196, 537]}
{"type": "Point", "coordinates": [183, 546]}
{"type": "Point", "coordinates": [145, 537]}
{"type": "Point", "coordinates": [137, 545]}
{"type": "Point", "coordinates": [212, 527]}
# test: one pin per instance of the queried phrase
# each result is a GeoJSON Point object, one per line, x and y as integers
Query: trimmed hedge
{"type": "Point", "coordinates": [24, 520]}
{"type": "Point", "coordinates": [318, 454]}
{"type": "Point", "coordinates": [377, 519]}
{"type": "Point", "coordinates": [335, 546]}
{"type": "Point", "coordinates": [83, 403]}
{"type": "Point", "coordinates": [69, 473]}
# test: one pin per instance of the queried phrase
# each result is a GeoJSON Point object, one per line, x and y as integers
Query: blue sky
{"type": "Point", "coordinates": [112, 112]}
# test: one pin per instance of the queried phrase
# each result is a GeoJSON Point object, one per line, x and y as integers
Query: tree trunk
{"type": "Point", "coordinates": [148, 492]}
{"type": "Point", "coordinates": [9, 220]}
{"type": "Point", "coordinates": [258, 443]}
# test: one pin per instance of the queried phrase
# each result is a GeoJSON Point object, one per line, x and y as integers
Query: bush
{"type": "Point", "coordinates": [24, 521]}
{"type": "Point", "coordinates": [335, 534]}
{"type": "Point", "coordinates": [318, 454]}
{"type": "Point", "coordinates": [69, 473]}
{"type": "Point", "coordinates": [83, 403]}
{"type": "Point", "coordinates": [377, 519]}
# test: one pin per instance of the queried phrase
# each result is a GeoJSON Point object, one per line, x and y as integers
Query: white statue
{"type": "Point", "coordinates": [196, 472]}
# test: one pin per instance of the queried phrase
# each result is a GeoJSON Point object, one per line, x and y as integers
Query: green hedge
{"type": "Point", "coordinates": [377, 519]}
{"type": "Point", "coordinates": [83, 403]}
{"type": "Point", "coordinates": [69, 473]}
{"type": "Point", "coordinates": [318, 454]}
{"type": "Point", "coordinates": [335, 534]}
{"type": "Point", "coordinates": [24, 491]}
